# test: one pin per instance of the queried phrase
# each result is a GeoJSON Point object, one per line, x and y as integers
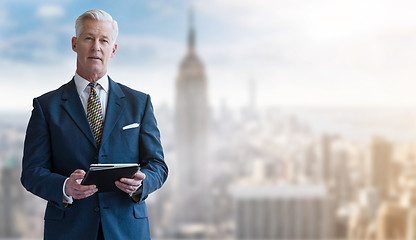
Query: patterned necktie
{"type": "Point", "coordinates": [95, 114]}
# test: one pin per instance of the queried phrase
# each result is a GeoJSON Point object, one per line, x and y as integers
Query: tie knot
{"type": "Point", "coordinates": [93, 85]}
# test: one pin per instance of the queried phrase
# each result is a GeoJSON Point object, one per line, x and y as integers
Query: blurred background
{"type": "Point", "coordinates": [279, 119]}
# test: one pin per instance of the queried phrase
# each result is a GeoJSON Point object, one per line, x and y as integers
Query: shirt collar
{"type": "Point", "coordinates": [81, 83]}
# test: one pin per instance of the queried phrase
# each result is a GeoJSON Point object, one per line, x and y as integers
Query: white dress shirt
{"type": "Point", "coordinates": [84, 93]}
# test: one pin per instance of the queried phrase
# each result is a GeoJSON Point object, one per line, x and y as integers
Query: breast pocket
{"type": "Point", "coordinates": [131, 138]}
{"type": "Point", "coordinates": [130, 131]}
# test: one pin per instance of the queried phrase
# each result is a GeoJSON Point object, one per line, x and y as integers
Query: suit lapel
{"type": "Point", "coordinates": [115, 107]}
{"type": "Point", "coordinates": [72, 104]}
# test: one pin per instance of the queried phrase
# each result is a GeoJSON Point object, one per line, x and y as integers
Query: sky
{"type": "Point", "coordinates": [308, 53]}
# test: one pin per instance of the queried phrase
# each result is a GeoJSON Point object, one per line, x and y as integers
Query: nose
{"type": "Point", "coordinates": [95, 46]}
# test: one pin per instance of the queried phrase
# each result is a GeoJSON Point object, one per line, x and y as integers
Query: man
{"type": "Point", "coordinates": [92, 119]}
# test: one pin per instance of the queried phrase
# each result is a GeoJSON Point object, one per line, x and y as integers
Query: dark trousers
{"type": "Point", "coordinates": [100, 235]}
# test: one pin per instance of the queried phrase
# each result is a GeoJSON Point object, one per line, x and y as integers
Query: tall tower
{"type": "Point", "coordinates": [191, 116]}
{"type": "Point", "coordinates": [381, 164]}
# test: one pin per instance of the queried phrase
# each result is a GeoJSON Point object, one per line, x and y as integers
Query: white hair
{"type": "Point", "coordinates": [98, 15]}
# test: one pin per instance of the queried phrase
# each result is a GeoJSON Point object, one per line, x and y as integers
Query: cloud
{"type": "Point", "coordinates": [33, 47]}
{"type": "Point", "coordinates": [50, 12]}
{"type": "Point", "coordinates": [162, 8]}
{"type": "Point", "coordinates": [149, 50]}
{"type": "Point", "coordinates": [7, 21]}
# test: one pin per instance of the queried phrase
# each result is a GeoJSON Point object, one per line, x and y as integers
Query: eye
{"type": "Point", "coordinates": [105, 40]}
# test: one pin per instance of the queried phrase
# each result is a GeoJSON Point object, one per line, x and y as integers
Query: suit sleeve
{"type": "Point", "coordinates": [37, 176]}
{"type": "Point", "coordinates": [151, 153]}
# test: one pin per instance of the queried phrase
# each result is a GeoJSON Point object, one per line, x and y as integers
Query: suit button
{"type": "Point", "coordinates": [97, 209]}
{"type": "Point", "coordinates": [96, 157]}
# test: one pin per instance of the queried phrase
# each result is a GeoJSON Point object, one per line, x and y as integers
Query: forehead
{"type": "Point", "coordinates": [95, 27]}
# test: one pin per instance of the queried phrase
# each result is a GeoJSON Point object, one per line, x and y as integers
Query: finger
{"type": "Point", "coordinates": [130, 181]}
{"type": "Point", "coordinates": [84, 188]}
{"type": "Point", "coordinates": [92, 192]}
{"type": "Point", "coordinates": [83, 194]}
{"type": "Point", "coordinates": [125, 187]}
{"type": "Point", "coordinates": [122, 185]}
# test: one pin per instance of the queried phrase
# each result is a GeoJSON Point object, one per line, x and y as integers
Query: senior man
{"type": "Point", "coordinates": [92, 119]}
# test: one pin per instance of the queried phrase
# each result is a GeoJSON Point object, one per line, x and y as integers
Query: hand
{"type": "Point", "coordinates": [74, 188]}
{"type": "Point", "coordinates": [130, 185]}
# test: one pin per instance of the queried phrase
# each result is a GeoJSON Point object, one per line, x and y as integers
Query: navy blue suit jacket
{"type": "Point", "coordinates": [59, 140]}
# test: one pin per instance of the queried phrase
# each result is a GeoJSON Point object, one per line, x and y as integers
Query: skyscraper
{"type": "Point", "coordinates": [191, 123]}
{"type": "Point", "coordinates": [381, 162]}
{"type": "Point", "coordinates": [272, 211]}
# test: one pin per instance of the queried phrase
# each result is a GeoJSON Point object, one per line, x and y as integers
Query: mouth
{"type": "Point", "coordinates": [95, 58]}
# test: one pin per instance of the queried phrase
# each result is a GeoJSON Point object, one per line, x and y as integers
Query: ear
{"type": "Point", "coordinates": [113, 53]}
{"type": "Point", "coordinates": [74, 44]}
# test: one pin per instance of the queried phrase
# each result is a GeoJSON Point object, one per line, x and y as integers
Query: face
{"type": "Point", "coordinates": [94, 48]}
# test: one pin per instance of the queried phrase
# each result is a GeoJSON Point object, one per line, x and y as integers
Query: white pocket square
{"type": "Point", "coordinates": [133, 125]}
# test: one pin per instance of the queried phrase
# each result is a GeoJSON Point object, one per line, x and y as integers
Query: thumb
{"type": "Point", "coordinates": [139, 175]}
{"type": "Point", "coordinates": [79, 171]}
